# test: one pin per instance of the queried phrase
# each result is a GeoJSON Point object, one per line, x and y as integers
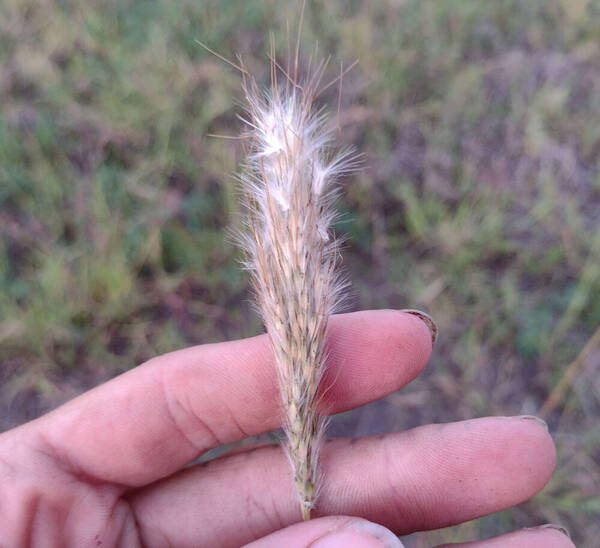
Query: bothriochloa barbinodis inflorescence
{"type": "Point", "coordinates": [288, 184]}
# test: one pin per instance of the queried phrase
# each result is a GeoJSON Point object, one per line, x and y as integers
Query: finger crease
{"type": "Point", "coordinates": [175, 409]}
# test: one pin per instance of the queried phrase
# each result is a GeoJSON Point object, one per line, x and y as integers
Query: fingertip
{"type": "Point", "coordinates": [542, 461]}
{"type": "Point", "coordinates": [421, 331]}
{"type": "Point", "coordinates": [374, 353]}
{"type": "Point", "coordinates": [331, 532]}
{"type": "Point", "coordinates": [544, 536]}
{"type": "Point", "coordinates": [556, 535]}
{"type": "Point", "coordinates": [427, 320]}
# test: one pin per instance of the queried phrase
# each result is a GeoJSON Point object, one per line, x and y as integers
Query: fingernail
{"type": "Point", "coordinates": [551, 526]}
{"type": "Point", "coordinates": [427, 319]}
{"type": "Point", "coordinates": [359, 534]}
{"type": "Point", "coordinates": [534, 418]}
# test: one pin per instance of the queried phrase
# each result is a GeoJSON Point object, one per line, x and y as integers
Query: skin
{"type": "Point", "coordinates": [109, 467]}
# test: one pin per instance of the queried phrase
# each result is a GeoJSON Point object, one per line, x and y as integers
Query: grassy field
{"type": "Point", "coordinates": [479, 201]}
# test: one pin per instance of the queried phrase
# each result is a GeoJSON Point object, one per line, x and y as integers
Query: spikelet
{"type": "Point", "coordinates": [288, 183]}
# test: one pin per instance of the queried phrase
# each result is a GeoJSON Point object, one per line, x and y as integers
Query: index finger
{"type": "Point", "coordinates": [153, 420]}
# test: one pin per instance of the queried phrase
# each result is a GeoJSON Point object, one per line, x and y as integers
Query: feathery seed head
{"type": "Point", "coordinates": [288, 182]}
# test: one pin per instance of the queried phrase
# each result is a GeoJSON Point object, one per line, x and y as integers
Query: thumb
{"type": "Point", "coordinates": [331, 532]}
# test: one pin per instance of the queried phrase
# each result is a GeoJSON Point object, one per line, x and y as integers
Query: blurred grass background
{"type": "Point", "coordinates": [479, 202]}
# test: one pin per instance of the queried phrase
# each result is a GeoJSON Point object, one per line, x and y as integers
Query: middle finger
{"type": "Point", "coordinates": [425, 478]}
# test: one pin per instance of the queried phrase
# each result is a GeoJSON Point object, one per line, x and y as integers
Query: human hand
{"type": "Point", "coordinates": [109, 467]}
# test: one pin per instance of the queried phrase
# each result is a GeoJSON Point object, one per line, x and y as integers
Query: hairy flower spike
{"type": "Point", "coordinates": [288, 185]}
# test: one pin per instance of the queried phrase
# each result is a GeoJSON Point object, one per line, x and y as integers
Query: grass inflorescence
{"type": "Point", "coordinates": [288, 183]}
